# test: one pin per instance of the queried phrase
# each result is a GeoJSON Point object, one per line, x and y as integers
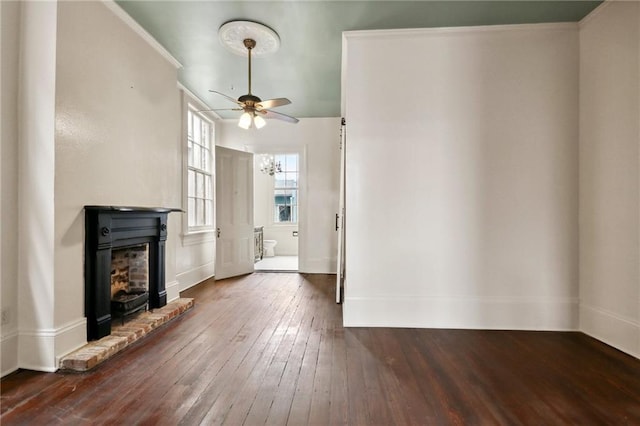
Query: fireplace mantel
{"type": "Point", "coordinates": [109, 227]}
{"type": "Point", "coordinates": [133, 209]}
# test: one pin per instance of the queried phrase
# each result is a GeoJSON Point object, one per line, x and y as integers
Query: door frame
{"type": "Point", "coordinates": [340, 215]}
{"type": "Point", "coordinates": [301, 150]}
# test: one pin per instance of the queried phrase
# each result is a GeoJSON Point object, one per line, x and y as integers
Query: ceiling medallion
{"type": "Point", "coordinates": [233, 33]}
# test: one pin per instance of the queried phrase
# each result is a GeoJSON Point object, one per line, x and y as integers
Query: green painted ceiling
{"type": "Point", "coordinates": [306, 68]}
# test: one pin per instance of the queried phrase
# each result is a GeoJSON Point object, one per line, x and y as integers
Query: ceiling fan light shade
{"type": "Point", "coordinates": [245, 121]}
{"type": "Point", "coordinates": [259, 122]}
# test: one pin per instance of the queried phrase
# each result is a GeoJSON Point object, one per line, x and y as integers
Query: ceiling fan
{"type": "Point", "coordinates": [255, 109]}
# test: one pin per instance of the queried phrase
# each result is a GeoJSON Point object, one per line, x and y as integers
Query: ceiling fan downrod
{"type": "Point", "coordinates": [249, 43]}
{"type": "Point", "coordinates": [249, 100]}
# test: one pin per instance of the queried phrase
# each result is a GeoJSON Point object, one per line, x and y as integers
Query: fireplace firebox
{"type": "Point", "coordinates": [108, 228]}
{"type": "Point", "coordinates": [129, 280]}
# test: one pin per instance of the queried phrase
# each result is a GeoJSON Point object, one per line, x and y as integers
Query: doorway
{"type": "Point", "coordinates": [276, 202]}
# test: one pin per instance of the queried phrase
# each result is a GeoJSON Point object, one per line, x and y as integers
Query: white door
{"type": "Point", "coordinates": [340, 216]}
{"type": "Point", "coordinates": [234, 213]}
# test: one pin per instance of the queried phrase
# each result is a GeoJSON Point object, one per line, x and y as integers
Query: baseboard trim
{"type": "Point", "coordinates": [70, 337]}
{"type": "Point", "coordinates": [8, 336]}
{"type": "Point", "coordinates": [9, 351]}
{"type": "Point", "coordinates": [615, 330]}
{"type": "Point", "coordinates": [41, 349]}
{"type": "Point", "coordinates": [195, 276]}
{"type": "Point", "coordinates": [173, 291]}
{"type": "Point", "coordinates": [489, 313]}
{"type": "Point", "coordinates": [36, 350]}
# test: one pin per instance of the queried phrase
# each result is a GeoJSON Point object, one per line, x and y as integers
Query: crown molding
{"type": "Point", "coordinates": [137, 28]}
{"type": "Point", "coordinates": [200, 103]}
{"type": "Point", "coordinates": [461, 30]}
{"type": "Point", "coordinates": [594, 13]}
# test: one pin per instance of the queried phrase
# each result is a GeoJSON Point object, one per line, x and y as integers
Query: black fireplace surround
{"type": "Point", "coordinates": [110, 227]}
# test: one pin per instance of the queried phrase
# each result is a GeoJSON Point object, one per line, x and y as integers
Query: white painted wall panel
{"type": "Point", "coordinates": [9, 39]}
{"type": "Point", "coordinates": [195, 261]}
{"type": "Point", "coordinates": [36, 152]}
{"type": "Point", "coordinates": [609, 175]}
{"type": "Point", "coordinates": [462, 177]}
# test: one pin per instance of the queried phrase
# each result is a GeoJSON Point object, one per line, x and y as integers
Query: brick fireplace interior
{"type": "Point", "coordinates": [129, 269]}
{"type": "Point", "coordinates": [129, 280]}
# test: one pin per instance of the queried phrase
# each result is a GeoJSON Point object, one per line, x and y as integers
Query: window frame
{"type": "Point", "coordinates": [296, 188]}
{"type": "Point", "coordinates": [199, 233]}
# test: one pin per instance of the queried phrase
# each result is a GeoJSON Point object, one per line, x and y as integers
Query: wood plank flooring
{"type": "Point", "coordinates": [270, 349]}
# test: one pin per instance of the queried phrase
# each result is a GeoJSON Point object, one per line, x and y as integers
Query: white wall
{"type": "Point", "coordinates": [462, 177]}
{"type": "Point", "coordinates": [195, 259]}
{"type": "Point", "coordinates": [9, 41]}
{"type": "Point", "coordinates": [318, 140]}
{"type": "Point", "coordinates": [609, 175]}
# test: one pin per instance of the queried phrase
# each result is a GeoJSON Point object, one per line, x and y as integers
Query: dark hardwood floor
{"type": "Point", "coordinates": [270, 349]}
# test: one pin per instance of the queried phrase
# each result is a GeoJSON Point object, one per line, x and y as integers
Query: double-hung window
{"type": "Point", "coordinates": [285, 193]}
{"type": "Point", "coordinates": [199, 171]}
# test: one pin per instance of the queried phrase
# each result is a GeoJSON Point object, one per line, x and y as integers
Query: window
{"type": "Point", "coordinates": [199, 171]}
{"type": "Point", "coordinates": [286, 189]}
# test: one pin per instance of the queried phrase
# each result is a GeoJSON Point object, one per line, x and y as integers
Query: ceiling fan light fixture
{"type": "Point", "coordinates": [245, 121]}
{"type": "Point", "coordinates": [251, 38]}
{"type": "Point", "coordinates": [259, 122]}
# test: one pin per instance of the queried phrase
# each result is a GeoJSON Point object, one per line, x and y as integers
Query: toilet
{"type": "Point", "coordinates": [269, 247]}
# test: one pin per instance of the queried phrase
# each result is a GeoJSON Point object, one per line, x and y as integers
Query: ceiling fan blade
{"type": "Point", "coordinates": [272, 103]}
{"type": "Point", "coordinates": [278, 116]}
{"type": "Point", "coordinates": [227, 97]}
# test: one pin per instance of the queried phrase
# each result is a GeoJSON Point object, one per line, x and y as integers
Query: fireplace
{"type": "Point", "coordinates": [129, 280]}
{"type": "Point", "coordinates": [113, 234]}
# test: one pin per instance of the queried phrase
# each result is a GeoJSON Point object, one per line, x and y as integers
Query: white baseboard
{"type": "Point", "coordinates": [317, 266]}
{"type": "Point", "coordinates": [70, 337]}
{"type": "Point", "coordinates": [195, 276]}
{"type": "Point", "coordinates": [173, 291]}
{"type": "Point", "coordinates": [615, 330]}
{"type": "Point", "coordinates": [9, 353]}
{"type": "Point", "coordinates": [37, 350]}
{"type": "Point", "coordinates": [41, 349]}
{"type": "Point", "coordinates": [469, 313]}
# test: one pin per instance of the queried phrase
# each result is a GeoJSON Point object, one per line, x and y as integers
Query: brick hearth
{"type": "Point", "coordinates": [93, 353]}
